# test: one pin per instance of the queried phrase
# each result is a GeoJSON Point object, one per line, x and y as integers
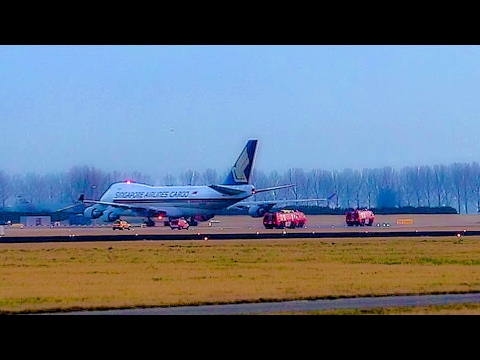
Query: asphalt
{"type": "Point", "coordinates": [303, 305]}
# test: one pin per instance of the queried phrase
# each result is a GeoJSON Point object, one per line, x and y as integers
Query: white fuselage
{"type": "Point", "coordinates": [175, 200]}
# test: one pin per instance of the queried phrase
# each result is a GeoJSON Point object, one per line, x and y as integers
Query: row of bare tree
{"type": "Point", "coordinates": [456, 185]}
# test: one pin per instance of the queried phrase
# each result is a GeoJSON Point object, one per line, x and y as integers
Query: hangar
{"type": "Point", "coordinates": [35, 220]}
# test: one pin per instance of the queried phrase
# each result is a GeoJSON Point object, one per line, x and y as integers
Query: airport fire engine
{"type": "Point", "coordinates": [360, 217]}
{"type": "Point", "coordinates": [284, 219]}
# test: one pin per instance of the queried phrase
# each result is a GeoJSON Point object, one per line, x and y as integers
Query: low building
{"type": "Point", "coordinates": [36, 220]}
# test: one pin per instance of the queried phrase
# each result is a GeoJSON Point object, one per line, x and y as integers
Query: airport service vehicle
{"type": "Point", "coordinates": [179, 224]}
{"type": "Point", "coordinates": [121, 225]}
{"type": "Point", "coordinates": [284, 219]}
{"type": "Point", "coordinates": [359, 217]}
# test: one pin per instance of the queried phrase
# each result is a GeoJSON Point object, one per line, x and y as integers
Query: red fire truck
{"type": "Point", "coordinates": [360, 217]}
{"type": "Point", "coordinates": [179, 224]}
{"type": "Point", "coordinates": [284, 219]}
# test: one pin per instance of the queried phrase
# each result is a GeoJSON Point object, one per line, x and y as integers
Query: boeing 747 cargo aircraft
{"type": "Point", "coordinates": [193, 203]}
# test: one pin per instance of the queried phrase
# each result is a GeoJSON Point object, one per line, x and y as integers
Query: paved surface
{"type": "Point", "coordinates": [307, 305]}
{"type": "Point", "coordinates": [316, 224]}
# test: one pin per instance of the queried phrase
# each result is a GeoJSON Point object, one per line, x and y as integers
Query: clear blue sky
{"type": "Point", "coordinates": [166, 109]}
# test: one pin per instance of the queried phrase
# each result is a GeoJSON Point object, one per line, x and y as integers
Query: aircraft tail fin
{"type": "Point", "coordinates": [242, 169]}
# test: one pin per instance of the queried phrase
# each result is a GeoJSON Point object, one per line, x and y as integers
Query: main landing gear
{"type": "Point", "coordinates": [149, 222]}
{"type": "Point", "coordinates": [192, 222]}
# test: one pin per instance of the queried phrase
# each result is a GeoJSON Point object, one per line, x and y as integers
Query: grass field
{"type": "Point", "coordinates": [98, 275]}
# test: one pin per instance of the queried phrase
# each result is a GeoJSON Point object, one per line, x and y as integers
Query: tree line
{"type": "Point", "coordinates": [456, 185]}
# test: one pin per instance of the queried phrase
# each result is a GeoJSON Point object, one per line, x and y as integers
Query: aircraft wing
{"type": "Point", "coordinates": [267, 205]}
{"type": "Point", "coordinates": [71, 207]}
{"type": "Point", "coordinates": [107, 203]}
{"type": "Point", "coordinates": [256, 191]}
{"type": "Point", "coordinates": [247, 204]}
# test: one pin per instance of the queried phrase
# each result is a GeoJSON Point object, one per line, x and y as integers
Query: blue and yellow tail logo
{"type": "Point", "coordinates": [241, 170]}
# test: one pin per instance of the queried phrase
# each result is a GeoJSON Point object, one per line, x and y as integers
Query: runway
{"type": "Point", "coordinates": [202, 236]}
{"type": "Point", "coordinates": [246, 227]}
{"type": "Point", "coordinates": [302, 305]}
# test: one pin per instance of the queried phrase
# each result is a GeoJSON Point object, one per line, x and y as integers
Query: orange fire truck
{"type": "Point", "coordinates": [284, 219]}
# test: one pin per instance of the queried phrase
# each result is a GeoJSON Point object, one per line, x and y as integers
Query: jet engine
{"type": "Point", "coordinates": [92, 212]}
{"type": "Point", "coordinates": [109, 216]}
{"type": "Point", "coordinates": [257, 211]}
